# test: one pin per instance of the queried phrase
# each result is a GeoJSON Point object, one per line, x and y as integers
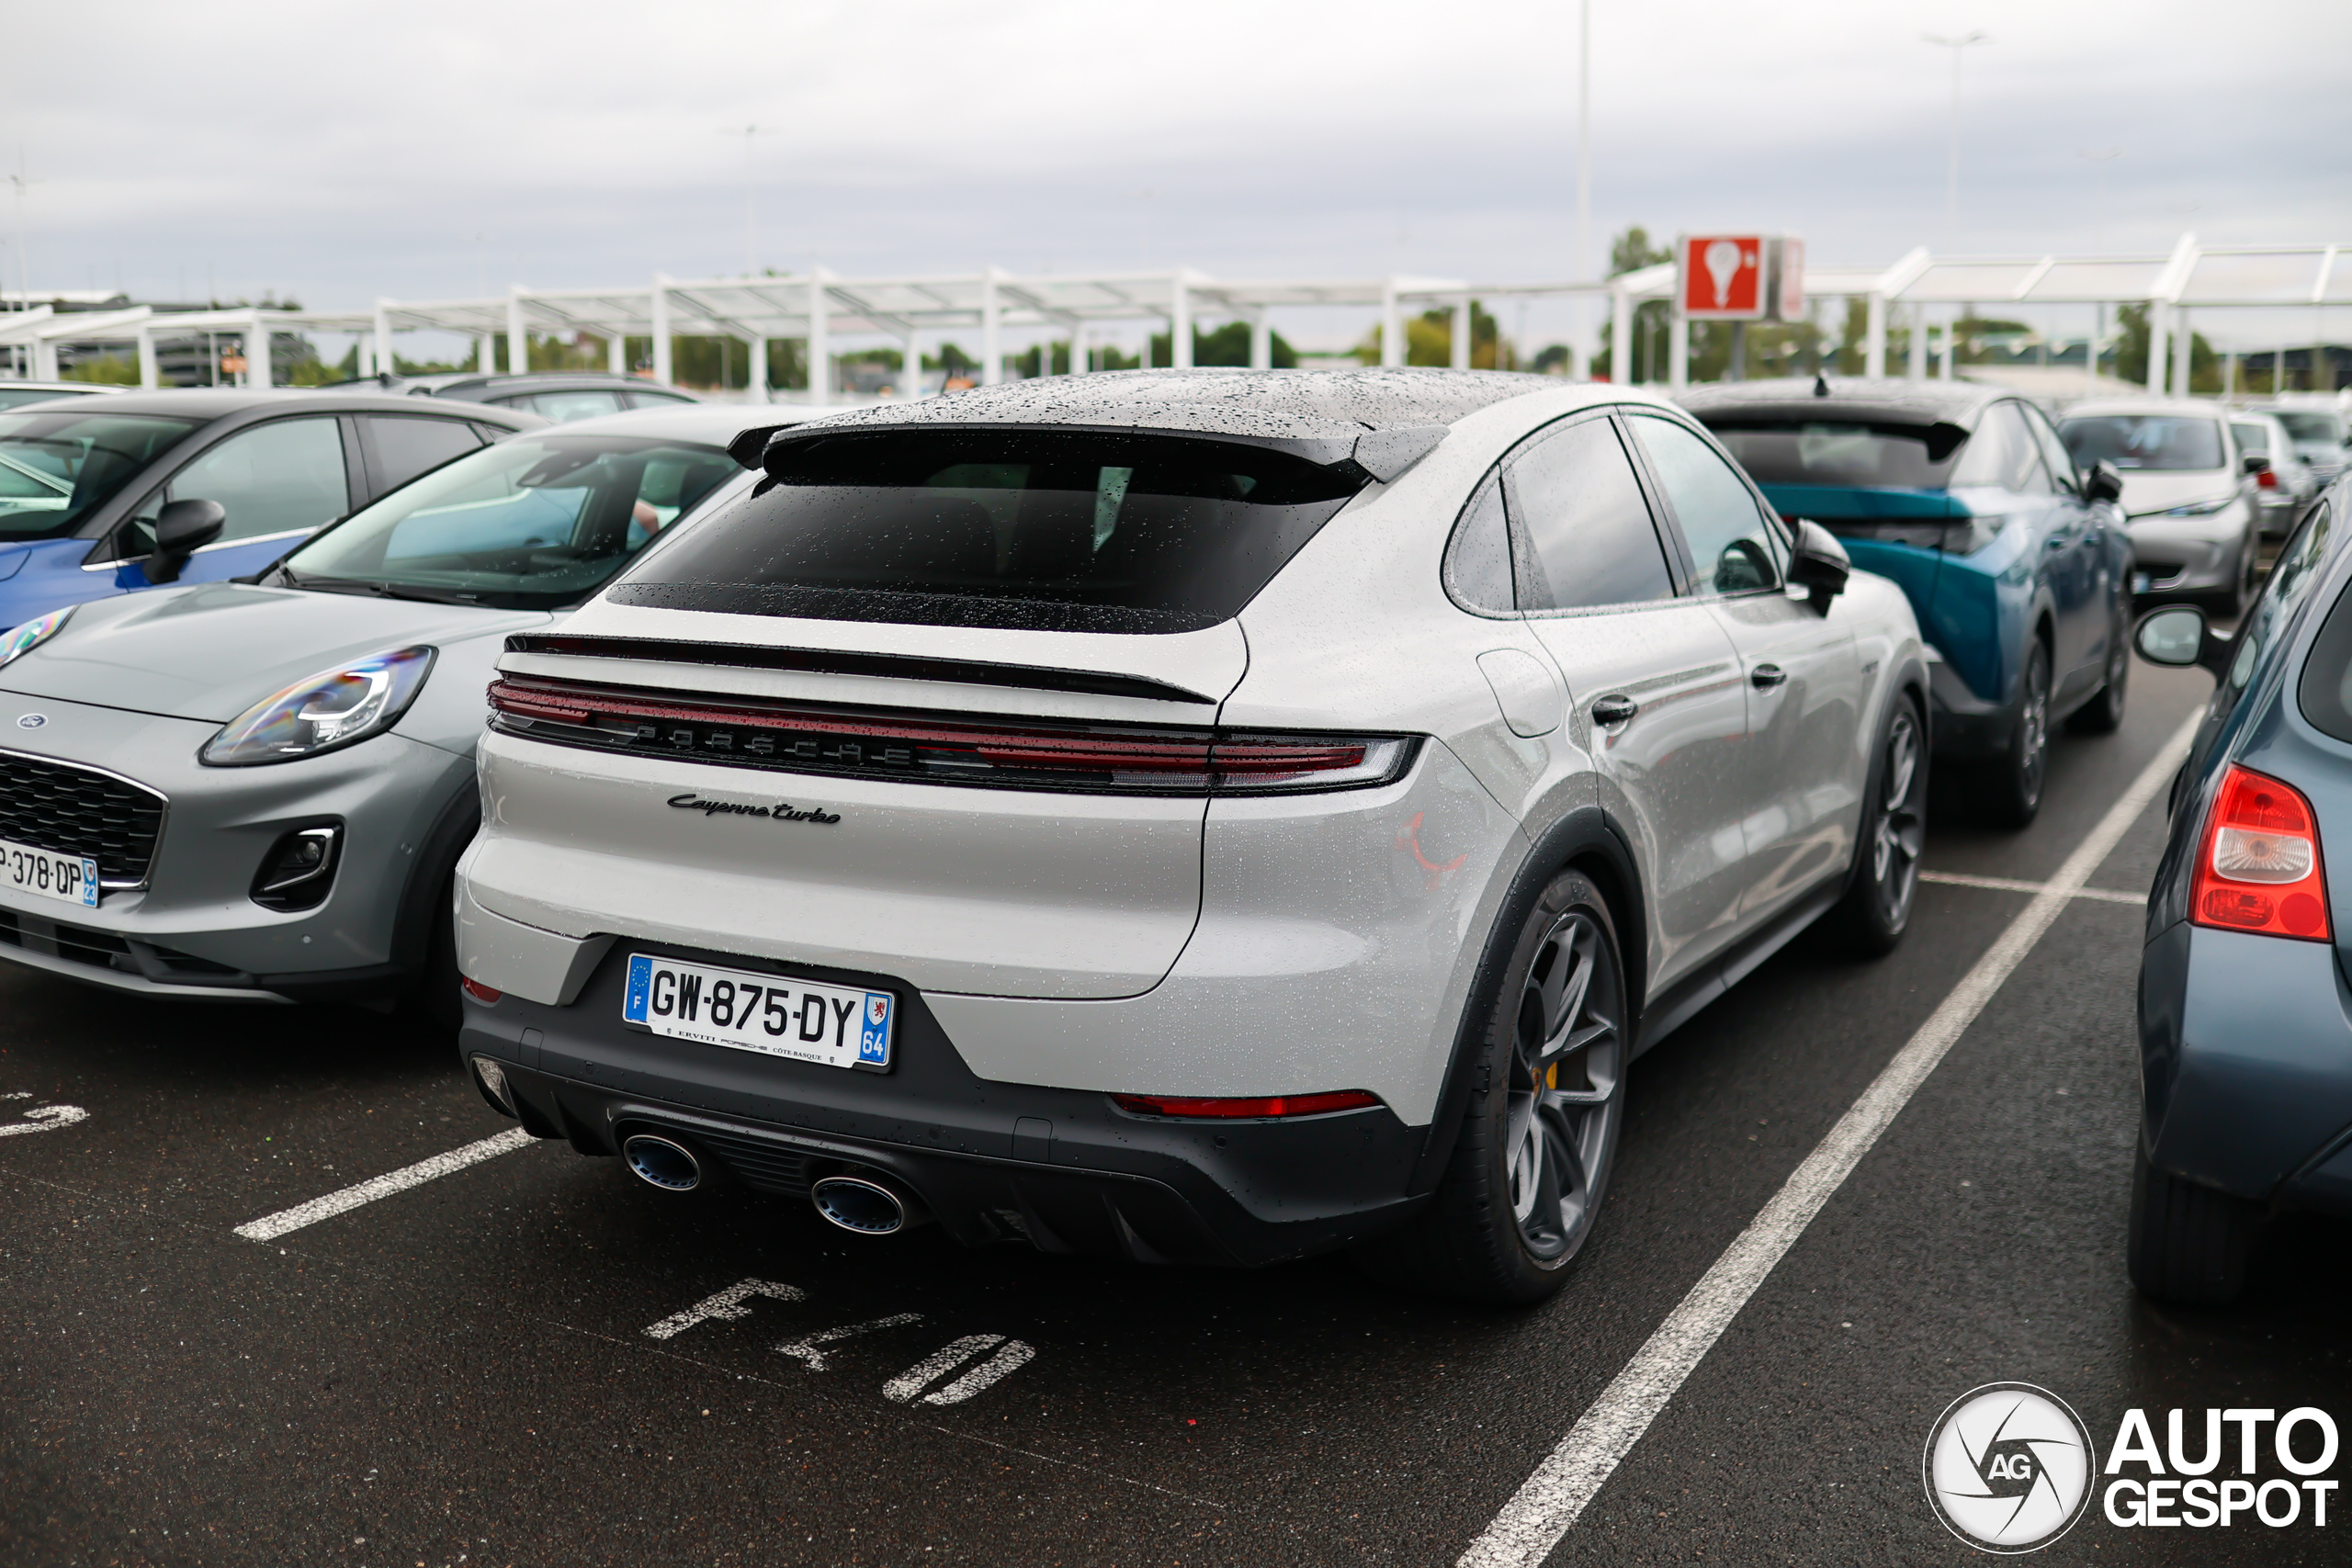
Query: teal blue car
{"type": "Point", "coordinates": [2015, 561]}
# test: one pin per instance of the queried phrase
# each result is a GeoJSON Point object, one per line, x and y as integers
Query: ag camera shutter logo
{"type": "Point", "coordinates": [2008, 1468]}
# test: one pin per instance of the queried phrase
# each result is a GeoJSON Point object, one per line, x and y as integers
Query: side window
{"type": "Point", "coordinates": [1584, 528]}
{"type": "Point", "coordinates": [2297, 568]}
{"type": "Point", "coordinates": [1735, 550]}
{"type": "Point", "coordinates": [2060, 461]}
{"type": "Point", "coordinates": [2002, 454]}
{"type": "Point", "coordinates": [406, 446]}
{"type": "Point", "coordinates": [277, 478]}
{"type": "Point", "coordinates": [1478, 559]}
{"type": "Point", "coordinates": [565, 407]}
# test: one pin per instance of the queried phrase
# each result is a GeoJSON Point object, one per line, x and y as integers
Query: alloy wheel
{"type": "Point", "coordinates": [1567, 1086]}
{"type": "Point", "coordinates": [1900, 832]}
{"type": "Point", "coordinates": [2034, 722]}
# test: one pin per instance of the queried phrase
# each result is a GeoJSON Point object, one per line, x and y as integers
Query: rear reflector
{"type": "Point", "coordinates": [2259, 869]}
{"type": "Point", "coordinates": [1023, 754]}
{"type": "Point", "coordinates": [1275, 1105]}
{"type": "Point", "coordinates": [477, 990]}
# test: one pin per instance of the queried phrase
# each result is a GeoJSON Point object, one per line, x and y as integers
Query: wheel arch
{"type": "Point", "coordinates": [1586, 839]}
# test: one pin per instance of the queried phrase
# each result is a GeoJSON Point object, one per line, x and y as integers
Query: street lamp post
{"type": "Point", "coordinates": [1959, 46]}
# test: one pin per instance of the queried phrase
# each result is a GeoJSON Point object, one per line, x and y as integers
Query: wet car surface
{"type": "Point", "coordinates": [461, 1368]}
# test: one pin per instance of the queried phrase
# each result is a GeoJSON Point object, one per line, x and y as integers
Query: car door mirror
{"type": "Point", "coordinates": [1819, 563]}
{"type": "Point", "coordinates": [2103, 481]}
{"type": "Point", "coordinates": [2178, 636]}
{"type": "Point", "coordinates": [182, 528]}
{"type": "Point", "coordinates": [2255, 463]}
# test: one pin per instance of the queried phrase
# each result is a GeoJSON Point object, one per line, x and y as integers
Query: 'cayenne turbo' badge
{"type": "Point", "coordinates": [779, 812]}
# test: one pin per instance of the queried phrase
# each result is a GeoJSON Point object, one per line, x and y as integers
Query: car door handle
{"type": "Point", "coordinates": [1614, 709]}
{"type": "Point", "coordinates": [1764, 677]}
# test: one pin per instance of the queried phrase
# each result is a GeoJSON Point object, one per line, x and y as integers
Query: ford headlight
{"type": "Point", "coordinates": [32, 634]}
{"type": "Point", "coordinates": [328, 710]}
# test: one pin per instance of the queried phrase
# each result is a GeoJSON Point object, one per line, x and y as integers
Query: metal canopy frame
{"type": "Point", "coordinates": [821, 307]}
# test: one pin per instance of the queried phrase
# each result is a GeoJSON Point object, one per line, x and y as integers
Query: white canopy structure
{"type": "Point", "coordinates": [821, 309]}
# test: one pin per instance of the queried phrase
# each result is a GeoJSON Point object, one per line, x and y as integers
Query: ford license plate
{"type": "Point", "coordinates": [774, 1015]}
{"type": "Point", "coordinates": [45, 873]}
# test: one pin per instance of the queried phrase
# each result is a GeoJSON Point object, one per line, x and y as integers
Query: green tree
{"type": "Point", "coordinates": [1428, 340]}
{"type": "Point", "coordinates": [1226, 345]}
{"type": "Point", "coordinates": [1630, 251]}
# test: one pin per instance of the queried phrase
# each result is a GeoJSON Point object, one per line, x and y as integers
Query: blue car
{"type": "Point", "coordinates": [84, 484]}
{"type": "Point", "coordinates": [2016, 562]}
{"type": "Point", "coordinates": [2245, 1025]}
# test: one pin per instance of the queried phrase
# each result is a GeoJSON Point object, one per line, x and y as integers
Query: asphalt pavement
{"type": "Point", "coordinates": [527, 1358]}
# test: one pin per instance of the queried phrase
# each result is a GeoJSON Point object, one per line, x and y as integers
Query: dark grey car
{"type": "Point", "coordinates": [2245, 1035]}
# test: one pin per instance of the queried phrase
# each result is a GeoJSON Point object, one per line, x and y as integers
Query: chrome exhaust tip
{"type": "Point", "coordinates": [867, 1206]}
{"type": "Point", "coordinates": [663, 1163]}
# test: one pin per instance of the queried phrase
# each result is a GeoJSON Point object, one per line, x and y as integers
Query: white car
{"type": "Point", "coordinates": [2187, 492]}
{"type": "Point", "coordinates": [2285, 484]}
{"type": "Point", "coordinates": [1211, 817]}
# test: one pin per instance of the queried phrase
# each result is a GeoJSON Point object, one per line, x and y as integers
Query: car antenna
{"type": "Point", "coordinates": [1820, 384]}
{"type": "Point", "coordinates": [383, 377]}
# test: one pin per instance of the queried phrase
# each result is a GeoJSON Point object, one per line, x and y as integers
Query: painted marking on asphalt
{"type": "Point", "coordinates": [1549, 1503]}
{"type": "Point", "coordinates": [269, 1228]}
{"type": "Point", "coordinates": [2011, 884]}
{"type": "Point", "coordinates": [727, 1303]}
{"type": "Point", "coordinates": [806, 1348]}
{"type": "Point", "coordinates": [1011, 1356]}
{"type": "Point", "coordinates": [43, 1118]}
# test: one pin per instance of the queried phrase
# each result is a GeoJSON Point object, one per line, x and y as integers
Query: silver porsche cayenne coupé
{"type": "Point", "coordinates": [1210, 816]}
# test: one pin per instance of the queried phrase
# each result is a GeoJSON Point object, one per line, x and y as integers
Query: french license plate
{"type": "Point", "coordinates": [48, 874]}
{"type": "Point", "coordinates": [772, 1014]}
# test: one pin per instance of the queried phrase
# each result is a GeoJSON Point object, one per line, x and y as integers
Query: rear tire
{"type": "Point", "coordinates": [2014, 795]}
{"type": "Point", "coordinates": [1877, 906]}
{"type": "Point", "coordinates": [2103, 714]}
{"type": "Point", "coordinates": [2187, 1244]}
{"type": "Point", "coordinates": [1539, 1136]}
{"type": "Point", "coordinates": [2231, 602]}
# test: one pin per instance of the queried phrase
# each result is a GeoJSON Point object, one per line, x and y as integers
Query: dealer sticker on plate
{"type": "Point", "coordinates": [48, 874]}
{"type": "Point", "coordinates": [772, 1014]}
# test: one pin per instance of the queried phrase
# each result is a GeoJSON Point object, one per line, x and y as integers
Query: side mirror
{"type": "Point", "coordinates": [182, 528]}
{"type": "Point", "coordinates": [2178, 636]}
{"type": "Point", "coordinates": [1819, 564]}
{"type": "Point", "coordinates": [2102, 481]}
{"type": "Point", "coordinates": [2255, 464]}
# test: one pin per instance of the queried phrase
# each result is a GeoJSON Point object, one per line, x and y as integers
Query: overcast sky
{"type": "Point", "coordinates": [336, 153]}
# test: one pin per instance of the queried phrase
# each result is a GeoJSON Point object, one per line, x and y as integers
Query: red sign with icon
{"type": "Point", "coordinates": [1723, 276]}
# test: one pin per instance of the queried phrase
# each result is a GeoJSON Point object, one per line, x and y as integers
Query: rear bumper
{"type": "Point", "coordinates": [2246, 1066]}
{"type": "Point", "coordinates": [1064, 1169]}
{"type": "Point", "coordinates": [1965, 727]}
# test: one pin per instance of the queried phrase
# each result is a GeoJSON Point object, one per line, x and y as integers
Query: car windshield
{"type": "Point", "coordinates": [1833, 452]}
{"type": "Point", "coordinates": [531, 523]}
{"type": "Point", "coordinates": [2312, 426]}
{"type": "Point", "coordinates": [1038, 529]}
{"type": "Point", "coordinates": [56, 465]}
{"type": "Point", "coordinates": [2154, 441]}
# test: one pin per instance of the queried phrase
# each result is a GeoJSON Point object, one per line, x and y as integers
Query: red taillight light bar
{"type": "Point", "coordinates": [1261, 1106]}
{"type": "Point", "coordinates": [1022, 754]}
{"type": "Point", "coordinates": [2259, 869]}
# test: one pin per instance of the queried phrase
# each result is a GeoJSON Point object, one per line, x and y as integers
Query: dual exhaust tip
{"type": "Point", "coordinates": [865, 1204]}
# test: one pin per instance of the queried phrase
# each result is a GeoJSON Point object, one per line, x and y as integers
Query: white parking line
{"type": "Point", "coordinates": [269, 1228]}
{"type": "Point", "coordinates": [806, 1349]}
{"type": "Point", "coordinates": [1550, 1501]}
{"type": "Point", "coordinates": [2011, 884]}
